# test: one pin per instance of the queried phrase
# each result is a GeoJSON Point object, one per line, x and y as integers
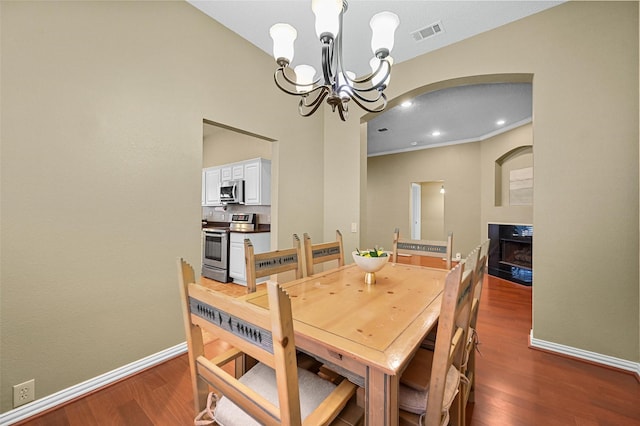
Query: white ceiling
{"type": "Point", "coordinates": [459, 115]}
{"type": "Point", "coordinates": [462, 114]}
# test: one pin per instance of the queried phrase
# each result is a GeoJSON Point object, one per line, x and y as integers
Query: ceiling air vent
{"type": "Point", "coordinates": [430, 31]}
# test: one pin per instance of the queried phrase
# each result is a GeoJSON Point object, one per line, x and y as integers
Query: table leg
{"type": "Point", "coordinates": [381, 398]}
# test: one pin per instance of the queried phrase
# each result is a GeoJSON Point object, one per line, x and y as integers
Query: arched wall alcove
{"type": "Point", "coordinates": [515, 162]}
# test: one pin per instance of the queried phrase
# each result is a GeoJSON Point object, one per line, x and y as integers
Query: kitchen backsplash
{"type": "Point", "coordinates": [217, 214]}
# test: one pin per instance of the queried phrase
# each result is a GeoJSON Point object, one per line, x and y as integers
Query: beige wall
{"type": "Point", "coordinates": [467, 171]}
{"type": "Point", "coordinates": [102, 108]}
{"type": "Point", "coordinates": [389, 181]}
{"type": "Point", "coordinates": [342, 179]}
{"type": "Point", "coordinates": [585, 115]}
{"type": "Point", "coordinates": [223, 146]}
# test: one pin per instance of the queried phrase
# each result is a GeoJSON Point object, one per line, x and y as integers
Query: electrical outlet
{"type": "Point", "coordinates": [24, 392]}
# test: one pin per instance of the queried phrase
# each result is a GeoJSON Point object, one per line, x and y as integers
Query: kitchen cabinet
{"type": "Point", "coordinates": [211, 190]}
{"type": "Point", "coordinates": [256, 174]}
{"type": "Point", "coordinates": [237, 171]}
{"type": "Point", "coordinates": [232, 172]}
{"type": "Point", "coordinates": [225, 173]}
{"type": "Point", "coordinates": [261, 243]}
{"type": "Point", "coordinates": [257, 182]}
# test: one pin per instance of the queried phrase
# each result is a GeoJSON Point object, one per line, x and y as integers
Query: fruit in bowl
{"type": "Point", "coordinates": [370, 261]}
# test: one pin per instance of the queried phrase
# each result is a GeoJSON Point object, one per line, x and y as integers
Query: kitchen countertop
{"type": "Point", "coordinates": [262, 227]}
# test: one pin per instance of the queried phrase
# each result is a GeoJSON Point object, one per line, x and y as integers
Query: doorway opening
{"type": "Point", "coordinates": [427, 210]}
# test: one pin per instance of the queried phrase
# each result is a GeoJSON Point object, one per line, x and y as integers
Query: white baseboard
{"type": "Point", "coordinates": [594, 357]}
{"type": "Point", "coordinates": [81, 389]}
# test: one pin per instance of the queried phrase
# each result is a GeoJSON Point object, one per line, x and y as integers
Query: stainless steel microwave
{"type": "Point", "coordinates": [232, 192]}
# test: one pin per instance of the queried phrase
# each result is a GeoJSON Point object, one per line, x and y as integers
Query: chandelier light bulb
{"type": "Point", "coordinates": [327, 17]}
{"type": "Point", "coordinates": [283, 36]}
{"type": "Point", "coordinates": [383, 25]}
{"type": "Point", "coordinates": [304, 77]}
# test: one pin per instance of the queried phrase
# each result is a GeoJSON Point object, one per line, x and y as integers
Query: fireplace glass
{"type": "Point", "coordinates": [511, 252]}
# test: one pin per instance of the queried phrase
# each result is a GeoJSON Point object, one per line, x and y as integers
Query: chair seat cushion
{"type": "Point", "coordinates": [262, 379]}
{"type": "Point", "coordinates": [415, 401]}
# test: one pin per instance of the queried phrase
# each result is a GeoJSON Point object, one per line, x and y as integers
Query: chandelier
{"type": "Point", "coordinates": [336, 85]}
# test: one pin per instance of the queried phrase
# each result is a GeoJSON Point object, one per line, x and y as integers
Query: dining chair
{"type": "Point", "coordinates": [467, 387]}
{"type": "Point", "coordinates": [440, 249]}
{"type": "Point", "coordinates": [470, 265]}
{"type": "Point", "coordinates": [322, 252]}
{"type": "Point", "coordinates": [429, 386]}
{"type": "Point", "coordinates": [274, 391]}
{"type": "Point", "coordinates": [272, 262]}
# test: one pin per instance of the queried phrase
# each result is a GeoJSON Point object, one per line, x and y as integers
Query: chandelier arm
{"type": "Point", "coordinates": [322, 92]}
{"type": "Point", "coordinates": [327, 57]}
{"type": "Point", "coordinates": [343, 111]}
{"type": "Point", "coordinates": [288, 80]}
{"type": "Point", "coordinates": [357, 94]}
{"type": "Point", "coordinates": [373, 75]}
{"type": "Point", "coordinates": [279, 71]}
{"type": "Point", "coordinates": [379, 108]}
{"type": "Point", "coordinates": [315, 104]}
{"type": "Point", "coordinates": [366, 89]}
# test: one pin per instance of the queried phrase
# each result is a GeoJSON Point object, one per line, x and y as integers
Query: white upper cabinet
{"type": "Point", "coordinates": [257, 182]}
{"type": "Point", "coordinates": [237, 171]}
{"type": "Point", "coordinates": [256, 174]}
{"type": "Point", "coordinates": [225, 173]}
{"type": "Point", "coordinates": [211, 190]}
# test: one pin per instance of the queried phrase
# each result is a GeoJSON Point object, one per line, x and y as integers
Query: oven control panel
{"type": "Point", "coordinates": [243, 222]}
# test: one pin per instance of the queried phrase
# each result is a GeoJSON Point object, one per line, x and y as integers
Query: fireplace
{"type": "Point", "coordinates": [511, 252]}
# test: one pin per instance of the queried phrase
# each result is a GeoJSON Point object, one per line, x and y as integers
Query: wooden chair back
{"type": "Point", "coordinates": [272, 262]}
{"type": "Point", "coordinates": [479, 273]}
{"type": "Point", "coordinates": [441, 249]}
{"type": "Point", "coordinates": [195, 341]}
{"type": "Point", "coordinates": [439, 371]}
{"type": "Point", "coordinates": [467, 386]}
{"type": "Point", "coordinates": [322, 252]}
{"type": "Point", "coordinates": [265, 335]}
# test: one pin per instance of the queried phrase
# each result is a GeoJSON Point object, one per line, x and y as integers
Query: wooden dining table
{"type": "Point", "coordinates": [366, 333]}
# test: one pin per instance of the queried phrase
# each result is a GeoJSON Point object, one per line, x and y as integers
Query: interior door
{"type": "Point", "coordinates": [416, 202]}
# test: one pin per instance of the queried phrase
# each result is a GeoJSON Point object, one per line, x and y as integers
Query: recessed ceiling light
{"type": "Point", "coordinates": [435, 133]}
{"type": "Point", "coordinates": [414, 143]}
{"type": "Point", "coordinates": [500, 122]}
{"type": "Point", "coordinates": [406, 104]}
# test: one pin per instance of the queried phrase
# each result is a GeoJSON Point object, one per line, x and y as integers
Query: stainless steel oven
{"type": "Point", "coordinates": [215, 254]}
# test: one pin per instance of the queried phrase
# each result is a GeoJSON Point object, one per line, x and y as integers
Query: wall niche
{"type": "Point", "coordinates": [514, 178]}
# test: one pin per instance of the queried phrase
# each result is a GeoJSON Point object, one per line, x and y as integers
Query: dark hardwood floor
{"type": "Point", "coordinates": [522, 386]}
{"type": "Point", "coordinates": [516, 385]}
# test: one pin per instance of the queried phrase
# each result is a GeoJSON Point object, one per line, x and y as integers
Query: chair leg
{"type": "Point", "coordinates": [202, 391]}
{"type": "Point", "coordinates": [471, 366]}
{"type": "Point", "coordinates": [456, 411]}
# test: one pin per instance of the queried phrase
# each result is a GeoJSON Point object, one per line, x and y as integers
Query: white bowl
{"type": "Point", "coordinates": [370, 265]}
